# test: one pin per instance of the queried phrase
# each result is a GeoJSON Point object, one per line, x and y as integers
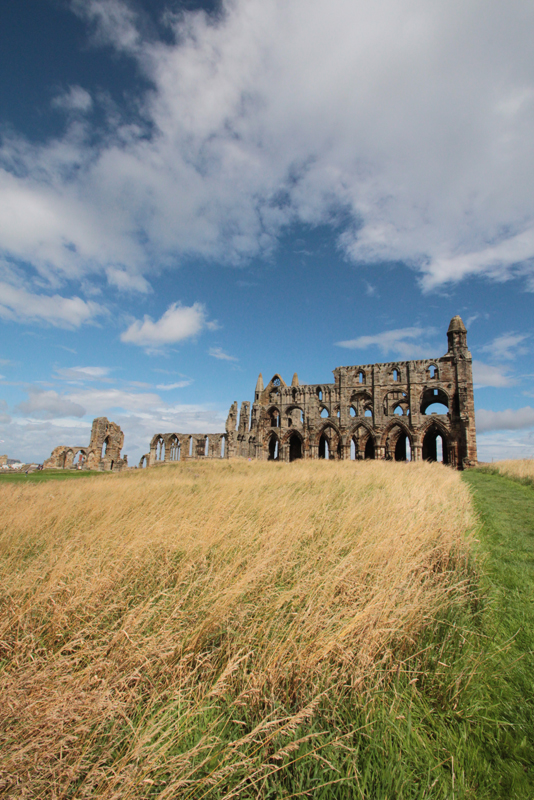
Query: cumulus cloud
{"type": "Point", "coordinates": [218, 352]}
{"type": "Point", "coordinates": [510, 420]}
{"type": "Point", "coordinates": [403, 342]}
{"type": "Point", "coordinates": [506, 347]}
{"type": "Point", "coordinates": [19, 305]}
{"type": "Point", "coordinates": [76, 99]}
{"type": "Point", "coordinates": [127, 281]}
{"type": "Point", "coordinates": [176, 324]}
{"type": "Point", "coordinates": [486, 375]}
{"type": "Point", "coordinates": [48, 404]}
{"type": "Point", "coordinates": [280, 112]}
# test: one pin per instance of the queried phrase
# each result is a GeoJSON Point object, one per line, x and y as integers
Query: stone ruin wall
{"type": "Point", "coordinates": [103, 453]}
{"type": "Point", "coordinates": [376, 410]}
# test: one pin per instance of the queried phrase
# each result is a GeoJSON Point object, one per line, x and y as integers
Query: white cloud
{"type": "Point", "coordinates": [507, 346]}
{"type": "Point", "coordinates": [278, 112]}
{"type": "Point", "coordinates": [127, 281]}
{"type": "Point", "coordinates": [166, 387]}
{"type": "Point", "coordinates": [496, 445]}
{"type": "Point", "coordinates": [176, 324]}
{"type": "Point", "coordinates": [404, 342]}
{"type": "Point", "coordinates": [102, 401]}
{"type": "Point", "coordinates": [511, 420]}
{"type": "Point", "coordinates": [76, 99]}
{"type": "Point", "coordinates": [83, 373]}
{"type": "Point", "coordinates": [218, 352]}
{"type": "Point", "coordinates": [49, 404]}
{"type": "Point", "coordinates": [63, 312]}
{"type": "Point", "coordinates": [487, 375]}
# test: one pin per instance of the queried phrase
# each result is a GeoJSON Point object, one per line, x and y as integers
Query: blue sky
{"type": "Point", "coordinates": [193, 193]}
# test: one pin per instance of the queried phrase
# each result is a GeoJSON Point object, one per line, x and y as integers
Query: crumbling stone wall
{"type": "Point", "coordinates": [3, 461]}
{"type": "Point", "coordinates": [103, 452]}
{"type": "Point", "coordinates": [370, 411]}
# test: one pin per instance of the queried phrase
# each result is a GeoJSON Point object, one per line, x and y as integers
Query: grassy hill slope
{"type": "Point", "coordinates": [247, 629]}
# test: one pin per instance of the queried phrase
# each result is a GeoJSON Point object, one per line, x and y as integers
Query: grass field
{"type": "Point", "coordinates": [519, 469]}
{"type": "Point", "coordinates": [45, 475]}
{"type": "Point", "coordinates": [251, 630]}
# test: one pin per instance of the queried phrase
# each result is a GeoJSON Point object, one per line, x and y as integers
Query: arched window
{"type": "Point", "coordinates": [396, 375]}
{"type": "Point", "coordinates": [273, 447]}
{"type": "Point", "coordinates": [352, 411]}
{"type": "Point", "coordinates": [435, 446]}
{"type": "Point", "coordinates": [319, 393]}
{"type": "Point", "coordinates": [432, 371]}
{"type": "Point", "coordinates": [324, 412]}
{"type": "Point", "coordinates": [324, 450]}
{"type": "Point", "coordinates": [295, 448]}
{"type": "Point", "coordinates": [361, 376]}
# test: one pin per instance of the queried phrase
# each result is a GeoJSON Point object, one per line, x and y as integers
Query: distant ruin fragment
{"type": "Point", "coordinates": [103, 452]}
{"type": "Point", "coordinates": [401, 410]}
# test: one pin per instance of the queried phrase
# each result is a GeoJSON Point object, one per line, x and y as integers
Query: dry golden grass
{"type": "Point", "coordinates": [520, 468]}
{"type": "Point", "coordinates": [164, 630]}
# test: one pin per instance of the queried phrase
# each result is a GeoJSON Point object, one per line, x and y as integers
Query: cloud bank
{"type": "Point", "coordinates": [410, 123]}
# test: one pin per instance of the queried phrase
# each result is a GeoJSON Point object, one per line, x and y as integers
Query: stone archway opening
{"type": "Point", "coordinates": [403, 448]}
{"type": "Point", "coordinates": [369, 452]}
{"type": "Point", "coordinates": [295, 448]}
{"type": "Point", "coordinates": [435, 446]}
{"type": "Point", "coordinates": [273, 448]}
{"type": "Point", "coordinates": [324, 450]}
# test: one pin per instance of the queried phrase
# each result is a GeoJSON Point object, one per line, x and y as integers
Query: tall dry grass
{"type": "Point", "coordinates": [519, 469]}
{"type": "Point", "coordinates": [172, 632]}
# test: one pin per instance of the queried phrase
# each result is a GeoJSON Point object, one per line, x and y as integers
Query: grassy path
{"type": "Point", "coordinates": [506, 509]}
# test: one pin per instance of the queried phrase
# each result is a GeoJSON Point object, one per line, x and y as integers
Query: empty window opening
{"type": "Point", "coordinates": [324, 412]}
{"type": "Point", "coordinates": [398, 411]}
{"type": "Point", "coordinates": [436, 408]}
{"type": "Point", "coordinates": [368, 412]}
{"type": "Point", "coordinates": [190, 445]}
{"type": "Point", "coordinates": [275, 419]}
{"type": "Point", "coordinates": [403, 449]}
{"type": "Point", "coordinates": [105, 446]}
{"type": "Point", "coordinates": [207, 447]}
{"type": "Point", "coordinates": [352, 411]}
{"type": "Point", "coordinates": [273, 448]}
{"type": "Point", "coordinates": [395, 374]}
{"type": "Point", "coordinates": [369, 448]}
{"type": "Point", "coordinates": [352, 450]}
{"type": "Point", "coordinates": [223, 444]}
{"type": "Point", "coordinates": [361, 377]}
{"type": "Point", "coordinates": [435, 447]}
{"type": "Point", "coordinates": [433, 371]}
{"type": "Point", "coordinates": [111, 465]}
{"type": "Point", "coordinates": [324, 450]}
{"type": "Point", "coordinates": [295, 448]}
{"type": "Point", "coordinates": [338, 413]}
{"type": "Point", "coordinates": [289, 422]}
{"type": "Point", "coordinates": [294, 393]}
{"type": "Point", "coordinates": [144, 462]}
{"type": "Point", "coordinates": [319, 394]}
{"type": "Point", "coordinates": [79, 459]}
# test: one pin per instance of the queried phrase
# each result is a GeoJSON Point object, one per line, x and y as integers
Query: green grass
{"type": "Point", "coordinates": [46, 475]}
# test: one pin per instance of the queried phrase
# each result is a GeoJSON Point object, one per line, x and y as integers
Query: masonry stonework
{"type": "Point", "coordinates": [371, 411]}
{"type": "Point", "coordinates": [103, 452]}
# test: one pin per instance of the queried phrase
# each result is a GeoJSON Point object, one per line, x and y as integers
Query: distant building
{"type": "Point", "coordinates": [400, 410]}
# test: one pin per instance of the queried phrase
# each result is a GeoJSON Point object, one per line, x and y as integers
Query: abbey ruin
{"type": "Point", "coordinates": [102, 453]}
{"type": "Point", "coordinates": [401, 410]}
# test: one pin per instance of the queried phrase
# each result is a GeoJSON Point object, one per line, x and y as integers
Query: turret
{"type": "Point", "coordinates": [457, 335]}
{"type": "Point", "coordinates": [259, 386]}
{"type": "Point", "coordinates": [295, 381]}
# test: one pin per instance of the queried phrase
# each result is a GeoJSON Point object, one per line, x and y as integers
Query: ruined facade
{"type": "Point", "coordinates": [102, 453]}
{"type": "Point", "coordinates": [384, 411]}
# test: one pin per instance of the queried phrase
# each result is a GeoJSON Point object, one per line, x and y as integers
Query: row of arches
{"type": "Point", "coordinates": [396, 443]}
{"type": "Point", "coordinates": [174, 447]}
